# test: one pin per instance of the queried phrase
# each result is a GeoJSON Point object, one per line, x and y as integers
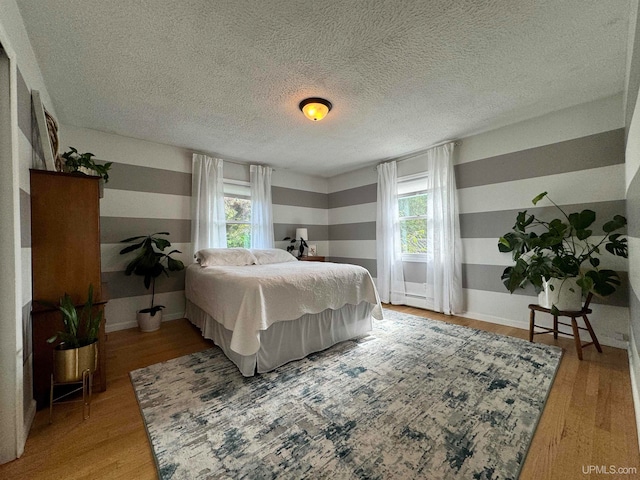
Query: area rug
{"type": "Point", "coordinates": [417, 398]}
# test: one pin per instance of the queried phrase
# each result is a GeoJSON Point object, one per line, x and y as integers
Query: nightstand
{"type": "Point", "coordinates": [312, 259]}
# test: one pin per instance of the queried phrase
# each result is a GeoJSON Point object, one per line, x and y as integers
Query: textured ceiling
{"type": "Point", "coordinates": [226, 77]}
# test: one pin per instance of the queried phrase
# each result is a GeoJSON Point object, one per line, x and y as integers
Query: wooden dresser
{"type": "Point", "coordinates": [65, 258]}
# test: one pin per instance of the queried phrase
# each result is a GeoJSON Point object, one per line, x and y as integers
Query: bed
{"type": "Point", "coordinates": [265, 308]}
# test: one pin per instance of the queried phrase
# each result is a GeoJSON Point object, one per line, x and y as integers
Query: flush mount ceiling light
{"type": "Point", "coordinates": [315, 108]}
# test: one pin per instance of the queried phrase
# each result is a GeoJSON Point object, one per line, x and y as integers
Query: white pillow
{"type": "Point", "coordinates": [209, 257]}
{"type": "Point", "coordinates": [272, 255]}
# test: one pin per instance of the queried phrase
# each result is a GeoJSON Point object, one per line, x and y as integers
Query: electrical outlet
{"type": "Point", "coordinates": [623, 337]}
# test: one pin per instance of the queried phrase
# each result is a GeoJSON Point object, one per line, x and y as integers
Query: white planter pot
{"type": "Point", "coordinates": [148, 322]}
{"type": "Point", "coordinates": [566, 294]}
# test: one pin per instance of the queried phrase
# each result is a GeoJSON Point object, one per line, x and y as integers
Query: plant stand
{"type": "Point", "coordinates": [573, 314]}
{"type": "Point", "coordinates": [85, 386]}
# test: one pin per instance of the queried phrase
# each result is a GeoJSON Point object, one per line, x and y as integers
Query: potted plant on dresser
{"type": "Point", "coordinates": [78, 347]}
{"type": "Point", "coordinates": [75, 162]}
{"type": "Point", "coordinates": [150, 262]}
{"type": "Point", "coordinates": [561, 257]}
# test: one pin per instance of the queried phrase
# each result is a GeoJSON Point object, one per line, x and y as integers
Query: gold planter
{"type": "Point", "coordinates": [69, 364]}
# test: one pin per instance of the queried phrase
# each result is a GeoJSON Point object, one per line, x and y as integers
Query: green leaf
{"type": "Point", "coordinates": [585, 283]}
{"type": "Point", "coordinates": [583, 234]}
{"type": "Point", "coordinates": [174, 265]}
{"type": "Point", "coordinates": [604, 281]}
{"type": "Point", "coordinates": [523, 221]}
{"type": "Point", "coordinates": [618, 246]}
{"type": "Point", "coordinates": [132, 239]}
{"type": "Point", "coordinates": [131, 248]}
{"type": "Point", "coordinates": [538, 197]}
{"type": "Point", "coordinates": [161, 243]}
{"type": "Point", "coordinates": [594, 262]}
{"type": "Point", "coordinates": [515, 277]}
{"type": "Point", "coordinates": [618, 222]}
{"type": "Point", "coordinates": [582, 220]}
{"type": "Point", "coordinates": [131, 267]}
{"type": "Point", "coordinates": [557, 228]}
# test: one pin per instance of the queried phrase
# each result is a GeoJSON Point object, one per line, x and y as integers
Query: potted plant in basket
{"type": "Point", "coordinates": [78, 347]}
{"type": "Point", "coordinates": [560, 258]}
{"type": "Point", "coordinates": [150, 262]}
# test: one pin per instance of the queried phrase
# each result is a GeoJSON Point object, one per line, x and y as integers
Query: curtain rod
{"type": "Point", "coordinates": [244, 164]}
{"type": "Point", "coordinates": [409, 156]}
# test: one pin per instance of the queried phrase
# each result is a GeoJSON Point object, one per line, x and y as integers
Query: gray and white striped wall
{"type": "Point", "coordinates": [30, 155]}
{"type": "Point", "coordinates": [352, 218]}
{"type": "Point", "coordinates": [632, 190]}
{"type": "Point", "coordinates": [576, 154]}
{"type": "Point", "coordinates": [149, 190]}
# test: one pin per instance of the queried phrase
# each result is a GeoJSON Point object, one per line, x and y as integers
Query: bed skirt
{"type": "Point", "coordinates": [285, 341]}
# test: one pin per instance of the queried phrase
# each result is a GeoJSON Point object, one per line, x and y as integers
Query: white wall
{"type": "Point", "coordinates": [16, 404]}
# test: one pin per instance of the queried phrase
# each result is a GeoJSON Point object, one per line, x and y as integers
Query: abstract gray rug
{"type": "Point", "coordinates": [415, 399]}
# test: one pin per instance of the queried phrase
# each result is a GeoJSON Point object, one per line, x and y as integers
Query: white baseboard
{"type": "Point", "coordinates": [414, 301]}
{"type": "Point", "coordinates": [634, 370]}
{"type": "Point", "coordinates": [508, 322]}
{"type": "Point", "coordinates": [29, 416]}
{"type": "Point", "coordinates": [524, 325]}
{"type": "Point", "coordinates": [113, 327]}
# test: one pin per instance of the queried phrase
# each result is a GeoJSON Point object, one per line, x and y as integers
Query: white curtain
{"type": "Point", "coordinates": [261, 209]}
{"type": "Point", "coordinates": [444, 247]}
{"type": "Point", "coordinates": [388, 249]}
{"type": "Point", "coordinates": [208, 225]}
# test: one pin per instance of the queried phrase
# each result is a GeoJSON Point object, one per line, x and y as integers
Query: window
{"type": "Point", "coordinates": [237, 209]}
{"type": "Point", "coordinates": [412, 213]}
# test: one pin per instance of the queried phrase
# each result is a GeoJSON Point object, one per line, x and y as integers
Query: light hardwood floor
{"type": "Point", "coordinates": [588, 420]}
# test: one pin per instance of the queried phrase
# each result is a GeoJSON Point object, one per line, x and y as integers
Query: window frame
{"type": "Point", "coordinates": [241, 183]}
{"type": "Point", "coordinates": [412, 257]}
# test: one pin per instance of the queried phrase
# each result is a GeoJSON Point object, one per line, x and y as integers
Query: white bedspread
{"type": "Point", "coordinates": [248, 299]}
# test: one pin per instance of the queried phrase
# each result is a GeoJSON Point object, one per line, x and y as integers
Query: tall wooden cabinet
{"type": "Point", "coordinates": [65, 258]}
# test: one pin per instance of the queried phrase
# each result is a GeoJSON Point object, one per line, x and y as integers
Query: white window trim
{"type": "Point", "coordinates": [413, 257]}
{"type": "Point", "coordinates": [242, 183]}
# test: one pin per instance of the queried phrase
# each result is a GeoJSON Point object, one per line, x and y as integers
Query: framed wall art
{"type": "Point", "coordinates": [45, 135]}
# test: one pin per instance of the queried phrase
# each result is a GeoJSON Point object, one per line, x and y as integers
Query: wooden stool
{"type": "Point", "coordinates": [573, 314]}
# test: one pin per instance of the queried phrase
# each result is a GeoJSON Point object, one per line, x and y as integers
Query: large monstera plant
{"type": "Point", "coordinates": [150, 262]}
{"type": "Point", "coordinates": [561, 248]}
